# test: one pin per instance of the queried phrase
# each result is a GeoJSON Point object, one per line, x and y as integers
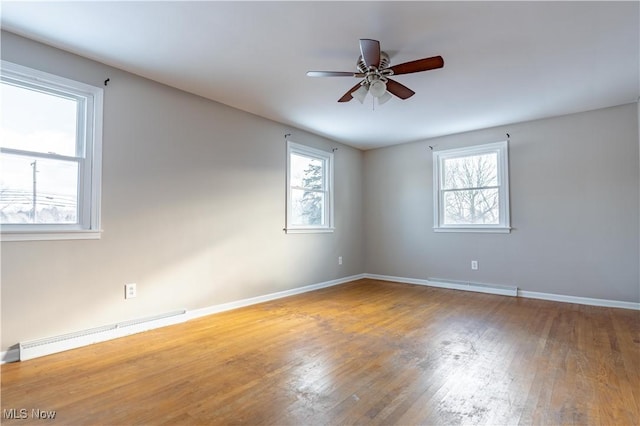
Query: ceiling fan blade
{"type": "Point", "coordinates": [401, 91]}
{"type": "Point", "coordinates": [347, 96]}
{"type": "Point", "coordinates": [370, 50]}
{"type": "Point", "coordinates": [425, 64]}
{"type": "Point", "coordinates": [330, 74]}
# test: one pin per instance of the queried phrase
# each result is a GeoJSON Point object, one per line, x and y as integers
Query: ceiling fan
{"type": "Point", "coordinates": [373, 68]}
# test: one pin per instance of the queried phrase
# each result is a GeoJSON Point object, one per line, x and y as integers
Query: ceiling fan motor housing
{"type": "Point", "coordinates": [384, 63]}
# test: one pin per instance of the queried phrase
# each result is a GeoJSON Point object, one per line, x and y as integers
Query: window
{"type": "Point", "coordinates": [50, 156]}
{"type": "Point", "coordinates": [309, 189]}
{"type": "Point", "coordinates": [471, 189]}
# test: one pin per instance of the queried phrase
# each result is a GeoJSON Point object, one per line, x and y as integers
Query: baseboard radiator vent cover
{"type": "Point", "coordinates": [50, 345]}
{"type": "Point", "coordinates": [471, 286]}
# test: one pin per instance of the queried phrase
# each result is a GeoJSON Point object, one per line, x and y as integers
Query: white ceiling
{"type": "Point", "coordinates": [505, 62]}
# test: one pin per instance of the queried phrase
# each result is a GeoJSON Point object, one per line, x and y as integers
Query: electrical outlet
{"type": "Point", "coordinates": [474, 265]}
{"type": "Point", "coordinates": [130, 291]}
{"type": "Point", "coordinates": [339, 260]}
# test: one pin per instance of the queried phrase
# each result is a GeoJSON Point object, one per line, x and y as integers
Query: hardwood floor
{"type": "Point", "coordinates": [367, 352]}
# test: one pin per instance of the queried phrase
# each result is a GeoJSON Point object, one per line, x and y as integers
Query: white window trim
{"type": "Point", "coordinates": [502, 149]}
{"type": "Point", "coordinates": [295, 148]}
{"type": "Point", "coordinates": [90, 195]}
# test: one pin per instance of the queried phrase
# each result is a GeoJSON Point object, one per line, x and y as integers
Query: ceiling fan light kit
{"type": "Point", "coordinates": [377, 87]}
{"type": "Point", "coordinates": [373, 67]}
{"type": "Point", "coordinates": [360, 94]}
{"type": "Point", "coordinates": [384, 98]}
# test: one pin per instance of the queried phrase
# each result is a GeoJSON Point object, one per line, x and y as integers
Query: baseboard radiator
{"type": "Point", "coordinates": [471, 286]}
{"type": "Point", "coordinates": [36, 348]}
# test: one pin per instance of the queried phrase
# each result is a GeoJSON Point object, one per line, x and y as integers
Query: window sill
{"type": "Point", "coordinates": [308, 230]}
{"type": "Point", "coordinates": [49, 235]}
{"type": "Point", "coordinates": [506, 230]}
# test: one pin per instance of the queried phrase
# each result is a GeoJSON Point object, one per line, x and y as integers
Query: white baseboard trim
{"type": "Point", "coordinates": [12, 355]}
{"type": "Point", "coordinates": [197, 313]}
{"type": "Point", "coordinates": [580, 300]}
{"type": "Point", "coordinates": [452, 285]}
{"type": "Point", "coordinates": [36, 348]}
{"type": "Point", "coordinates": [520, 293]}
{"type": "Point", "coordinates": [41, 347]}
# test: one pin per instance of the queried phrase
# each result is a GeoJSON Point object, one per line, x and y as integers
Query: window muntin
{"type": "Point", "coordinates": [309, 189]}
{"type": "Point", "coordinates": [50, 151]}
{"type": "Point", "coordinates": [471, 190]}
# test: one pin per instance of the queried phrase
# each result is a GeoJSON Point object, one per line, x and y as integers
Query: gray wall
{"type": "Point", "coordinates": [193, 210]}
{"type": "Point", "coordinates": [193, 197]}
{"type": "Point", "coordinates": [574, 186]}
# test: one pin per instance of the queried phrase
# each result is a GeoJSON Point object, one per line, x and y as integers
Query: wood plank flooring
{"type": "Point", "coordinates": [367, 352]}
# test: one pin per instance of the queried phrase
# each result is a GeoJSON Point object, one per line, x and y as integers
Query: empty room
{"type": "Point", "coordinates": [320, 213]}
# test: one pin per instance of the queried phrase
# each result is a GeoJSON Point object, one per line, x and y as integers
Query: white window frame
{"type": "Point", "coordinates": [89, 159]}
{"type": "Point", "coordinates": [502, 150]}
{"type": "Point", "coordinates": [327, 159]}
